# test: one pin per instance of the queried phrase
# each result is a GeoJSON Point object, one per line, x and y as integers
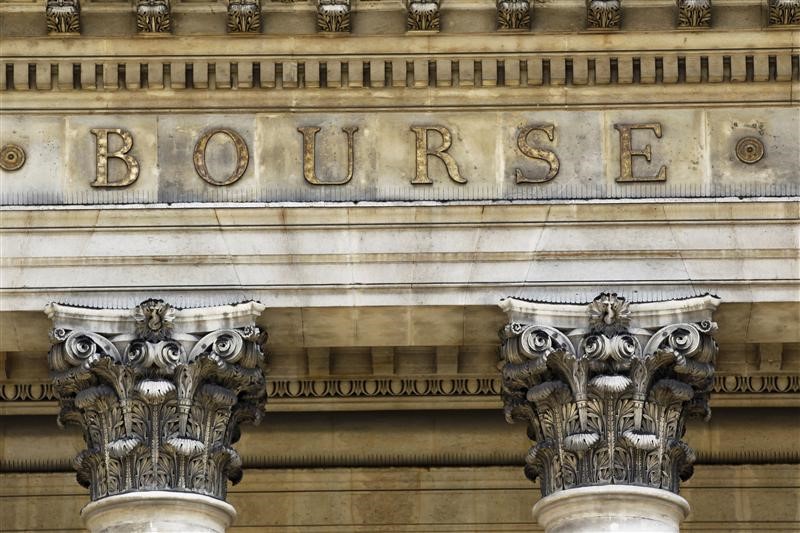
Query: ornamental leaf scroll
{"type": "Point", "coordinates": [159, 412]}
{"type": "Point", "coordinates": [607, 404]}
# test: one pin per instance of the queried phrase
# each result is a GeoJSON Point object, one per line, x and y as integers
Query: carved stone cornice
{"type": "Point", "coordinates": [159, 393]}
{"type": "Point", "coordinates": [423, 15]}
{"type": "Point", "coordinates": [244, 16]}
{"type": "Point", "coordinates": [333, 16]}
{"type": "Point", "coordinates": [153, 16]}
{"type": "Point", "coordinates": [63, 17]}
{"type": "Point", "coordinates": [513, 15]}
{"type": "Point", "coordinates": [603, 14]}
{"type": "Point", "coordinates": [694, 13]}
{"type": "Point", "coordinates": [606, 388]}
{"type": "Point", "coordinates": [784, 12]}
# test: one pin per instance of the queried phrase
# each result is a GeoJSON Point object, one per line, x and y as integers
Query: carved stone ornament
{"type": "Point", "coordinates": [513, 15]}
{"type": "Point", "coordinates": [423, 15]}
{"type": "Point", "coordinates": [750, 150]}
{"type": "Point", "coordinates": [784, 12]}
{"type": "Point", "coordinates": [606, 388]}
{"type": "Point", "coordinates": [694, 13]}
{"type": "Point", "coordinates": [153, 16]}
{"type": "Point", "coordinates": [603, 14]}
{"type": "Point", "coordinates": [244, 16]}
{"type": "Point", "coordinates": [63, 16]}
{"type": "Point", "coordinates": [333, 16]}
{"type": "Point", "coordinates": [158, 392]}
{"type": "Point", "coordinates": [12, 157]}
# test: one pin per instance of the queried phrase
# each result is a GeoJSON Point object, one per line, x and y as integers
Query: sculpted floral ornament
{"type": "Point", "coordinates": [160, 408]}
{"type": "Point", "coordinates": [153, 16]}
{"type": "Point", "coordinates": [154, 320]}
{"type": "Point", "coordinates": [244, 16]}
{"type": "Point", "coordinates": [694, 13]}
{"type": "Point", "coordinates": [63, 16]}
{"type": "Point", "coordinates": [603, 14]}
{"type": "Point", "coordinates": [513, 15]}
{"type": "Point", "coordinates": [784, 12]}
{"type": "Point", "coordinates": [608, 403]}
{"type": "Point", "coordinates": [423, 15]}
{"type": "Point", "coordinates": [333, 16]}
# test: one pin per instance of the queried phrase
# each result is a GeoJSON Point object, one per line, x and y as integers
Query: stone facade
{"type": "Point", "coordinates": [620, 176]}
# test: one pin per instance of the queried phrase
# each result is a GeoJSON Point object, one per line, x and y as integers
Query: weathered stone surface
{"type": "Point", "coordinates": [159, 393]}
{"type": "Point", "coordinates": [623, 508]}
{"type": "Point", "coordinates": [695, 154]}
{"type": "Point", "coordinates": [606, 388]}
{"type": "Point", "coordinates": [363, 256]}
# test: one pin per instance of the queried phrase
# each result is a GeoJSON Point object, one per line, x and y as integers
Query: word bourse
{"type": "Point", "coordinates": [430, 141]}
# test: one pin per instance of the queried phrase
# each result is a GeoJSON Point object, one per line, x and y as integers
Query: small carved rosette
{"type": "Point", "coordinates": [694, 13]}
{"type": "Point", "coordinates": [158, 411]}
{"type": "Point", "coordinates": [244, 16]}
{"type": "Point", "coordinates": [513, 15]}
{"type": "Point", "coordinates": [153, 16]}
{"type": "Point", "coordinates": [423, 15]}
{"type": "Point", "coordinates": [784, 12]}
{"type": "Point", "coordinates": [333, 16]}
{"type": "Point", "coordinates": [603, 14]}
{"type": "Point", "coordinates": [63, 16]}
{"type": "Point", "coordinates": [607, 404]}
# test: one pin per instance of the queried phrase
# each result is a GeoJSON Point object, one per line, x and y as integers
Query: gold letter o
{"type": "Point", "coordinates": [242, 156]}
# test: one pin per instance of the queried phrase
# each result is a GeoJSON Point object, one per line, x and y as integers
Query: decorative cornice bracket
{"type": "Point", "coordinates": [694, 13]}
{"type": "Point", "coordinates": [513, 15]}
{"type": "Point", "coordinates": [153, 16]}
{"type": "Point", "coordinates": [423, 15]}
{"type": "Point", "coordinates": [333, 16]}
{"type": "Point", "coordinates": [603, 14]}
{"type": "Point", "coordinates": [63, 17]}
{"type": "Point", "coordinates": [784, 12]}
{"type": "Point", "coordinates": [244, 16]}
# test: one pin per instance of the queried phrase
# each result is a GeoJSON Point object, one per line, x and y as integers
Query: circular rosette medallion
{"type": "Point", "coordinates": [12, 157]}
{"type": "Point", "coordinates": [749, 150]}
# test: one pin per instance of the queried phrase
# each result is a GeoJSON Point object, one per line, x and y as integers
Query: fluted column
{"type": "Point", "coordinates": [606, 389]}
{"type": "Point", "coordinates": [159, 393]}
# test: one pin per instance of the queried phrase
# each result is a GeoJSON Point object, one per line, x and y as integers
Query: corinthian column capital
{"type": "Point", "coordinates": [606, 388]}
{"type": "Point", "coordinates": [159, 393]}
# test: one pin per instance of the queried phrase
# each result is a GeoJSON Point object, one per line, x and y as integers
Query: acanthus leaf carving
{"type": "Point", "coordinates": [423, 15]}
{"type": "Point", "coordinates": [784, 12]}
{"type": "Point", "coordinates": [694, 13]}
{"type": "Point", "coordinates": [63, 16]}
{"type": "Point", "coordinates": [333, 16]}
{"type": "Point", "coordinates": [159, 412]}
{"type": "Point", "coordinates": [153, 16]}
{"type": "Point", "coordinates": [607, 404]}
{"type": "Point", "coordinates": [513, 15]}
{"type": "Point", "coordinates": [603, 14]}
{"type": "Point", "coordinates": [244, 16]}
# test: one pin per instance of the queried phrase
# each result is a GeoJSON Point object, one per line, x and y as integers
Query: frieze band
{"type": "Point", "coordinates": [431, 142]}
